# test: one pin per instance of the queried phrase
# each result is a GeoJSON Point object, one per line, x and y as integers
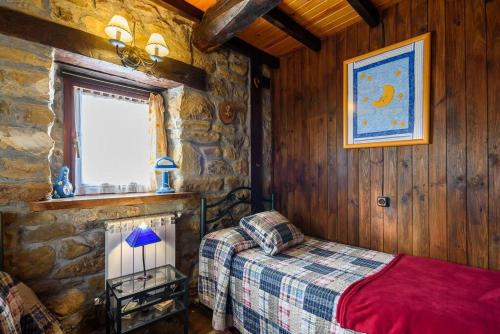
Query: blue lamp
{"type": "Point", "coordinates": [165, 164]}
{"type": "Point", "coordinates": [141, 236]}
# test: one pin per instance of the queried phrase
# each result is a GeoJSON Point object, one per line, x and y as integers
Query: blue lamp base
{"type": "Point", "coordinates": [165, 190]}
{"type": "Point", "coordinates": [165, 185]}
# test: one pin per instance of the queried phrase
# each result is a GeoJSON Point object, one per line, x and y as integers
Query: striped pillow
{"type": "Point", "coordinates": [272, 231]}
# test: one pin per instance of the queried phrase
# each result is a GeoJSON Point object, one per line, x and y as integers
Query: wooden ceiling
{"type": "Point", "coordinates": [321, 17]}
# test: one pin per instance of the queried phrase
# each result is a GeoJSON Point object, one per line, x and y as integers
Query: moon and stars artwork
{"type": "Point", "coordinates": [386, 96]}
{"type": "Point", "coordinates": [384, 103]}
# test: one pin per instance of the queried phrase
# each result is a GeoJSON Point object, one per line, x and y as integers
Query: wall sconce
{"type": "Point", "coordinates": [119, 35]}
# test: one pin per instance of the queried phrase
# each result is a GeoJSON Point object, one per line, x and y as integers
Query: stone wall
{"type": "Point", "coordinates": [61, 253]}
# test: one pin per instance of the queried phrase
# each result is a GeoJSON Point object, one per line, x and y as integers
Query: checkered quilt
{"type": "Point", "coordinates": [295, 291]}
{"type": "Point", "coordinates": [21, 311]}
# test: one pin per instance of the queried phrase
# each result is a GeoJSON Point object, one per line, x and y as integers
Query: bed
{"type": "Point", "coordinates": [318, 285]}
{"type": "Point", "coordinates": [253, 305]}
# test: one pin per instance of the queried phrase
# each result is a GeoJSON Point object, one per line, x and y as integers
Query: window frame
{"type": "Point", "coordinates": [70, 81]}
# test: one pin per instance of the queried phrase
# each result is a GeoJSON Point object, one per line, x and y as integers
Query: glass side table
{"type": "Point", "coordinates": [133, 302]}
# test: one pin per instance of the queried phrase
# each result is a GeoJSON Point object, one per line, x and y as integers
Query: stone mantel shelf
{"type": "Point", "coordinates": [79, 202]}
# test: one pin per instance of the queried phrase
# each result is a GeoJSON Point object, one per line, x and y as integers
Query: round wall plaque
{"type": "Point", "coordinates": [227, 112]}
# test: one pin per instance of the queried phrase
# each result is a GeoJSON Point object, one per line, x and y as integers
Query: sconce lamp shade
{"type": "Point", "coordinates": [156, 47]}
{"type": "Point", "coordinates": [141, 236]}
{"type": "Point", "coordinates": [118, 31]}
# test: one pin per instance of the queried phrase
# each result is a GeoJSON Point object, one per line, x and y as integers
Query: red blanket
{"type": "Point", "coordinates": [418, 295]}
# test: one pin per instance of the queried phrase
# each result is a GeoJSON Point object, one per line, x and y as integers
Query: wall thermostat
{"type": "Point", "coordinates": [383, 201]}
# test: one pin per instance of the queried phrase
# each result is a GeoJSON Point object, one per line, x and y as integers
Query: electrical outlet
{"type": "Point", "coordinates": [383, 201]}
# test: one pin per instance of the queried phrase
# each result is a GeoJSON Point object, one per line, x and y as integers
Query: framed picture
{"type": "Point", "coordinates": [386, 96]}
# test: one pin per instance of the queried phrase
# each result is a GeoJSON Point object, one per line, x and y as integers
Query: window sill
{"type": "Point", "coordinates": [79, 202]}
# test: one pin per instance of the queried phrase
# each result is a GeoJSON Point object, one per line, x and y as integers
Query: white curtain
{"type": "Point", "coordinates": [157, 133]}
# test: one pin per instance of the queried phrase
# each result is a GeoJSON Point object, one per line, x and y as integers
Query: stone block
{"type": "Point", "coordinates": [29, 218]}
{"type": "Point", "coordinates": [44, 288]}
{"type": "Point", "coordinates": [211, 152]}
{"type": "Point", "coordinates": [229, 153]}
{"type": "Point", "coordinates": [16, 82]}
{"type": "Point", "coordinates": [25, 140]}
{"type": "Point", "coordinates": [196, 106]}
{"type": "Point", "coordinates": [193, 124]}
{"type": "Point", "coordinates": [68, 302]}
{"type": "Point", "coordinates": [238, 63]}
{"type": "Point", "coordinates": [73, 322]}
{"type": "Point", "coordinates": [28, 264]}
{"type": "Point", "coordinates": [218, 167]}
{"type": "Point", "coordinates": [95, 238]}
{"type": "Point", "coordinates": [96, 283]}
{"type": "Point", "coordinates": [92, 23]}
{"type": "Point", "coordinates": [48, 232]}
{"type": "Point", "coordinates": [12, 55]}
{"type": "Point", "coordinates": [240, 92]}
{"type": "Point", "coordinates": [241, 167]}
{"type": "Point", "coordinates": [71, 249]}
{"type": "Point", "coordinates": [204, 61]}
{"type": "Point", "coordinates": [232, 182]}
{"type": "Point", "coordinates": [219, 87]}
{"type": "Point", "coordinates": [188, 158]}
{"type": "Point", "coordinates": [24, 168]}
{"type": "Point", "coordinates": [201, 137]}
{"type": "Point", "coordinates": [37, 114]}
{"type": "Point", "coordinates": [89, 264]}
{"type": "Point", "coordinates": [24, 192]}
{"type": "Point", "coordinates": [205, 184]}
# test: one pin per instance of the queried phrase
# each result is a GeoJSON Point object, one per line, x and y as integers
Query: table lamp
{"type": "Point", "coordinates": [141, 236]}
{"type": "Point", "coordinates": [165, 164]}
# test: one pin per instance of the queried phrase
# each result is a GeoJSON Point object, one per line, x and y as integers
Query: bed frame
{"type": "Point", "coordinates": [1, 242]}
{"type": "Point", "coordinates": [225, 208]}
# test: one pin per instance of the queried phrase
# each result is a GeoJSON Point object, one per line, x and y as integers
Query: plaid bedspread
{"type": "Point", "coordinates": [293, 292]}
{"type": "Point", "coordinates": [18, 315]}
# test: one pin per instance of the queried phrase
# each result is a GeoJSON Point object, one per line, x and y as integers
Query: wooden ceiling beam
{"type": "Point", "coordinates": [226, 18]}
{"type": "Point", "coordinates": [367, 11]}
{"type": "Point", "coordinates": [186, 10]}
{"type": "Point", "coordinates": [30, 28]}
{"type": "Point", "coordinates": [283, 21]}
{"type": "Point", "coordinates": [257, 55]}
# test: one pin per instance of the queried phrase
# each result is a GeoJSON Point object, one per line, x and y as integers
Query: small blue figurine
{"type": "Point", "coordinates": [62, 187]}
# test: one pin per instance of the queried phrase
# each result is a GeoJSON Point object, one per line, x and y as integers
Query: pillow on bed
{"type": "Point", "coordinates": [272, 231]}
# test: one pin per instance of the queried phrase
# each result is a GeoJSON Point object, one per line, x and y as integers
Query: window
{"type": "Point", "coordinates": [108, 138]}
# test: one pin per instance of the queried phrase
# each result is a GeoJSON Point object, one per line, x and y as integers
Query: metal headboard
{"type": "Point", "coordinates": [1, 242]}
{"type": "Point", "coordinates": [224, 207]}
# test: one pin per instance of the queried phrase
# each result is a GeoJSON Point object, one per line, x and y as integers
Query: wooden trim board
{"type": "Point", "coordinates": [80, 202]}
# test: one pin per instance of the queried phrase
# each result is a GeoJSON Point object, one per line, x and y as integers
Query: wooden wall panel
{"type": "Point", "coordinates": [352, 161]}
{"type": "Point", "coordinates": [420, 175]}
{"type": "Point", "coordinates": [456, 131]}
{"type": "Point", "coordinates": [444, 196]}
{"type": "Point", "coordinates": [395, 179]}
{"type": "Point", "coordinates": [330, 49]}
{"type": "Point", "coordinates": [341, 167]}
{"type": "Point", "coordinates": [493, 63]}
{"type": "Point", "coordinates": [377, 168]}
{"type": "Point", "coordinates": [437, 150]}
{"type": "Point", "coordinates": [476, 92]}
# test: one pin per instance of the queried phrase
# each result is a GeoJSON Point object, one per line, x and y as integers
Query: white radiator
{"type": "Point", "coordinates": [121, 259]}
